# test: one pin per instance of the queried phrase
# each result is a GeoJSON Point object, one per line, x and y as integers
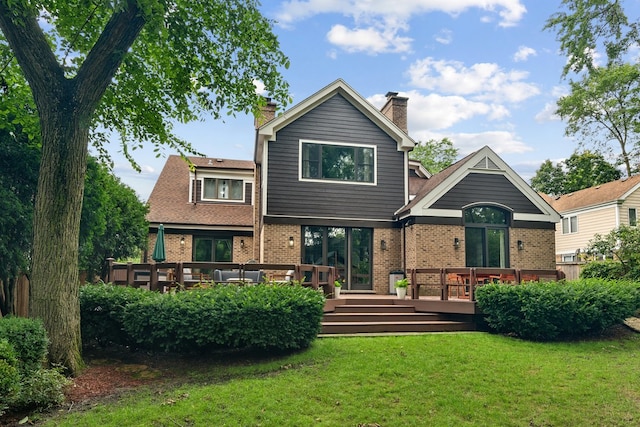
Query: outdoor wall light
{"type": "Point", "coordinates": [242, 243]}
{"type": "Point", "coordinates": [456, 242]}
{"type": "Point", "coordinates": [520, 245]}
{"type": "Point", "coordinates": [383, 245]}
{"type": "Point", "coordinates": [182, 241]}
{"type": "Point", "coordinates": [291, 241]}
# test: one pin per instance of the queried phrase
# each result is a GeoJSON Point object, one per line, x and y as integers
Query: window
{"type": "Point", "coordinates": [211, 249]}
{"type": "Point", "coordinates": [338, 162]}
{"type": "Point", "coordinates": [633, 219]}
{"type": "Point", "coordinates": [222, 189]}
{"type": "Point", "coordinates": [486, 236]}
{"type": "Point", "coordinates": [569, 224]}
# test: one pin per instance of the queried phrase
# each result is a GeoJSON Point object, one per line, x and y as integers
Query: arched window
{"type": "Point", "coordinates": [487, 236]}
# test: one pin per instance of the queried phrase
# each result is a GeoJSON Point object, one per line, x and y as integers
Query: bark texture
{"type": "Point", "coordinates": [65, 107]}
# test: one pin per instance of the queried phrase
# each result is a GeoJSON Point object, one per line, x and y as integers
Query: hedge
{"type": "Point", "coordinates": [558, 310]}
{"type": "Point", "coordinates": [29, 339]}
{"type": "Point", "coordinates": [102, 310]}
{"type": "Point", "coordinates": [264, 316]}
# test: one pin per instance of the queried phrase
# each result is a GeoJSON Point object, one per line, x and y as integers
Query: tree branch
{"type": "Point", "coordinates": [32, 51]}
{"type": "Point", "coordinates": [101, 64]}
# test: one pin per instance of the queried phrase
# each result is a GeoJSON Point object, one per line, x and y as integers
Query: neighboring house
{"type": "Point", "coordinates": [334, 186]}
{"type": "Point", "coordinates": [594, 210]}
{"type": "Point", "coordinates": [207, 212]}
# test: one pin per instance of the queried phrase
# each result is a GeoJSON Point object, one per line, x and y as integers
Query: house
{"type": "Point", "coordinates": [207, 210]}
{"type": "Point", "coordinates": [333, 185]}
{"type": "Point", "coordinates": [594, 210]}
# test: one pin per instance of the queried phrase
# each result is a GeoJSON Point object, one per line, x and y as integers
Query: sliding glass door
{"type": "Point", "coordinates": [347, 249]}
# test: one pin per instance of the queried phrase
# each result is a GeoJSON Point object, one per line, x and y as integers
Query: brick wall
{"type": "Point", "coordinates": [385, 260]}
{"type": "Point", "coordinates": [431, 246]}
{"type": "Point", "coordinates": [275, 240]}
{"type": "Point", "coordinates": [539, 248]}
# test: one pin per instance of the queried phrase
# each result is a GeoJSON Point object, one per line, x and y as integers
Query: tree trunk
{"type": "Point", "coordinates": [54, 279]}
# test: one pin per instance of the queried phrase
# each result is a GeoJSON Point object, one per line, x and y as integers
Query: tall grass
{"type": "Point", "coordinates": [464, 379]}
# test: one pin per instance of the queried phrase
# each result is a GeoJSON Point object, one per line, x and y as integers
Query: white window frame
{"type": "Point", "coordinates": [227, 200]}
{"type": "Point", "coordinates": [635, 217]}
{"type": "Point", "coordinates": [337, 181]}
{"type": "Point", "coordinates": [572, 228]}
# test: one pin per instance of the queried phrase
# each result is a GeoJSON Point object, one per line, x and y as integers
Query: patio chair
{"type": "Point", "coordinates": [456, 281]}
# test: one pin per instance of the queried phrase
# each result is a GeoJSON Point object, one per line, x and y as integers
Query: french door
{"type": "Point", "coordinates": [348, 249]}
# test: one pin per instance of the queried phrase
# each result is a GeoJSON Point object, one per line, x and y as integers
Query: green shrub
{"type": "Point", "coordinates": [102, 309]}
{"type": "Point", "coordinates": [554, 310]}
{"type": "Point", "coordinates": [42, 389]}
{"type": "Point", "coordinates": [606, 269]}
{"type": "Point", "coordinates": [29, 339]}
{"type": "Point", "coordinates": [9, 375]}
{"type": "Point", "coordinates": [267, 317]}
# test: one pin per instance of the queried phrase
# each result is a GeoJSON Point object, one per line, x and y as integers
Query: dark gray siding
{"type": "Point", "coordinates": [336, 120]}
{"type": "Point", "coordinates": [479, 188]}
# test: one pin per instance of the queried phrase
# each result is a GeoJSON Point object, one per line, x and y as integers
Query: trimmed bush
{"type": "Point", "coordinates": [606, 269]}
{"type": "Point", "coordinates": [102, 310]}
{"type": "Point", "coordinates": [265, 317]}
{"type": "Point", "coordinates": [42, 389]}
{"type": "Point", "coordinates": [556, 310]}
{"type": "Point", "coordinates": [29, 339]}
{"type": "Point", "coordinates": [9, 375]}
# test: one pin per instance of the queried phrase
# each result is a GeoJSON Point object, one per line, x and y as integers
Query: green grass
{"type": "Point", "coordinates": [464, 379]}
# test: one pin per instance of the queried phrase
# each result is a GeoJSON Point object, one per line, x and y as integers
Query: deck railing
{"type": "Point", "coordinates": [465, 280]}
{"type": "Point", "coordinates": [164, 276]}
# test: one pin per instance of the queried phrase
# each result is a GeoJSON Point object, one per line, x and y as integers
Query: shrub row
{"type": "Point", "coordinates": [265, 317]}
{"type": "Point", "coordinates": [102, 313]}
{"type": "Point", "coordinates": [558, 310]}
{"type": "Point", "coordinates": [24, 383]}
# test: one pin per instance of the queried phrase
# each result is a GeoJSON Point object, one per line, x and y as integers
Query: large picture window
{"type": "Point", "coordinates": [212, 249]}
{"type": "Point", "coordinates": [338, 162]}
{"type": "Point", "coordinates": [222, 189]}
{"type": "Point", "coordinates": [486, 235]}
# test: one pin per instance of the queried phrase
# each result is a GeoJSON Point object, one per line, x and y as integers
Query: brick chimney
{"type": "Point", "coordinates": [396, 110]}
{"type": "Point", "coordinates": [267, 113]}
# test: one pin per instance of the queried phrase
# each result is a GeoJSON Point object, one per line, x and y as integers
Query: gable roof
{"type": "Point", "coordinates": [169, 201]}
{"type": "Point", "coordinates": [268, 131]}
{"type": "Point", "coordinates": [484, 160]}
{"type": "Point", "coordinates": [611, 192]}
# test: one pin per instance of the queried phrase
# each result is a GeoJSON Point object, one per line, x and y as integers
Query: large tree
{"type": "Point", "coordinates": [130, 66]}
{"type": "Point", "coordinates": [579, 171]}
{"type": "Point", "coordinates": [113, 223]}
{"type": "Point", "coordinates": [605, 106]}
{"type": "Point", "coordinates": [435, 155]}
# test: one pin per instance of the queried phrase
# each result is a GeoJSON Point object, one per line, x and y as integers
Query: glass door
{"type": "Point", "coordinates": [347, 249]}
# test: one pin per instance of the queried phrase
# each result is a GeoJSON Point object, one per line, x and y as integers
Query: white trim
{"type": "Point", "coordinates": [549, 214]}
{"type": "Point", "coordinates": [268, 131]}
{"type": "Point", "coordinates": [337, 181]}
{"type": "Point", "coordinates": [445, 213]}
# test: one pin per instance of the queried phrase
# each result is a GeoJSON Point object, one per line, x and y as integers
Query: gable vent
{"type": "Point", "coordinates": [486, 163]}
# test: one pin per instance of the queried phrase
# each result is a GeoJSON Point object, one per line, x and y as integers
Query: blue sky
{"type": "Point", "coordinates": [479, 72]}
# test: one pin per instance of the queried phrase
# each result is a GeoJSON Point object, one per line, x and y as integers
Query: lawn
{"type": "Point", "coordinates": [461, 379]}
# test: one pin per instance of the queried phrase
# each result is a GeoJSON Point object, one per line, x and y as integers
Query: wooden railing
{"type": "Point", "coordinates": [470, 278]}
{"type": "Point", "coordinates": [166, 275]}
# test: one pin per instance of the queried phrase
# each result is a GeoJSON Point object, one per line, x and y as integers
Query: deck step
{"type": "Point", "coordinates": [388, 315]}
{"type": "Point", "coordinates": [377, 327]}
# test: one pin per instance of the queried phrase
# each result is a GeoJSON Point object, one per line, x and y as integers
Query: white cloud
{"type": "Point", "coordinates": [482, 81]}
{"type": "Point", "coordinates": [383, 20]}
{"type": "Point", "coordinates": [502, 142]}
{"type": "Point", "coordinates": [524, 53]}
{"type": "Point", "coordinates": [548, 113]}
{"type": "Point", "coordinates": [444, 36]}
{"type": "Point", "coordinates": [259, 87]}
{"type": "Point", "coordinates": [370, 40]}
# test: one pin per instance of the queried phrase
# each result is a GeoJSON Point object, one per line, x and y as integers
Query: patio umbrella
{"type": "Point", "coordinates": [158, 250]}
